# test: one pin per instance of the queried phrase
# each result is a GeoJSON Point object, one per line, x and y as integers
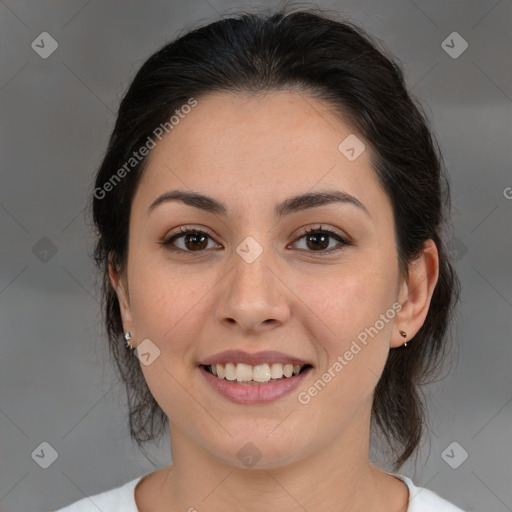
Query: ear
{"type": "Point", "coordinates": [120, 285]}
{"type": "Point", "coordinates": [416, 293]}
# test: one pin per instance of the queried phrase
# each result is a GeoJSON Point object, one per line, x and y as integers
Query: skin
{"type": "Point", "coordinates": [252, 152]}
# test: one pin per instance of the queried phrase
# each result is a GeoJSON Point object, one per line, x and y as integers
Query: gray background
{"type": "Point", "coordinates": [55, 379]}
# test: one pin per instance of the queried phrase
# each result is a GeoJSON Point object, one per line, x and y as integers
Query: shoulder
{"type": "Point", "coordinates": [120, 498]}
{"type": "Point", "coordinates": [425, 500]}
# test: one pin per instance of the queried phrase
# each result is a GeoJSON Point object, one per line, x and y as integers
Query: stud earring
{"type": "Point", "coordinates": [404, 335]}
{"type": "Point", "coordinates": [127, 337]}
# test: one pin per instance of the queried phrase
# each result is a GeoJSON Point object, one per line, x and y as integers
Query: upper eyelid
{"type": "Point", "coordinates": [184, 229]}
{"type": "Point", "coordinates": [333, 232]}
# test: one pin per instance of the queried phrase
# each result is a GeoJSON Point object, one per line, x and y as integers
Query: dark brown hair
{"type": "Point", "coordinates": [335, 61]}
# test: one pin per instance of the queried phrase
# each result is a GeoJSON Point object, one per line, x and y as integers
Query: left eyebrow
{"type": "Point", "coordinates": [315, 199]}
{"type": "Point", "coordinates": [286, 207]}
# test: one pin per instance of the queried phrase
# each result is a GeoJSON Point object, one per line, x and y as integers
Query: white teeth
{"type": "Point", "coordinates": [230, 373]}
{"type": "Point", "coordinates": [260, 373]}
{"type": "Point", "coordinates": [276, 371]}
{"type": "Point", "coordinates": [243, 372]}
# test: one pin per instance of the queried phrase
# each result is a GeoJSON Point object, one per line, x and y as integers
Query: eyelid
{"type": "Point", "coordinates": [183, 230]}
{"type": "Point", "coordinates": [332, 232]}
{"type": "Point", "coordinates": [325, 229]}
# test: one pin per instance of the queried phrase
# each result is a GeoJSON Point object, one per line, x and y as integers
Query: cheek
{"type": "Point", "coordinates": [168, 302]}
{"type": "Point", "coordinates": [348, 300]}
{"type": "Point", "coordinates": [354, 340]}
{"type": "Point", "coordinates": [167, 308]}
{"type": "Point", "coordinates": [352, 322]}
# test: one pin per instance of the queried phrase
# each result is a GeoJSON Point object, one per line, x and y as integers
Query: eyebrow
{"type": "Point", "coordinates": [286, 207]}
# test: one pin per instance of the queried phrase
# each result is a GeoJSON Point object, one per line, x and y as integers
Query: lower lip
{"type": "Point", "coordinates": [254, 393]}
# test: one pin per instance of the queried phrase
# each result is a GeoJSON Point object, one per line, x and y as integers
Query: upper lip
{"type": "Point", "coordinates": [253, 359]}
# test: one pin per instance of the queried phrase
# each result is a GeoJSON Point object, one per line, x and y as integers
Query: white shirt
{"type": "Point", "coordinates": [122, 499]}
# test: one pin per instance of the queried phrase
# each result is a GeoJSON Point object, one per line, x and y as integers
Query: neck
{"type": "Point", "coordinates": [336, 476]}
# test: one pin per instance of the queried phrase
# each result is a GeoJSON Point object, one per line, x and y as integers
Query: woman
{"type": "Point", "coordinates": [269, 216]}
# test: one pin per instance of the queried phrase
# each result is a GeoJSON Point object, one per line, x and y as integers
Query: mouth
{"type": "Point", "coordinates": [254, 377]}
{"type": "Point", "coordinates": [257, 375]}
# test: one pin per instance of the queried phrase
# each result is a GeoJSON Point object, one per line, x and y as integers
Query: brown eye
{"type": "Point", "coordinates": [192, 240]}
{"type": "Point", "coordinates": [318, 240]}
{"type": "Point", "coordinates": [196, 240]}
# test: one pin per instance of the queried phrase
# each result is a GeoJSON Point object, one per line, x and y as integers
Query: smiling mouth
{"type": "Point", "coordinates": [240, 373]}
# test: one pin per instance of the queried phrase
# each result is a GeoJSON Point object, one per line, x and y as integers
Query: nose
{"type": "Point", "coordinates": [253, 297]}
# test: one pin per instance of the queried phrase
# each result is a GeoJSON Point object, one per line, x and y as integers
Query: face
{"type": "Point", "coordinates": [251, 280]}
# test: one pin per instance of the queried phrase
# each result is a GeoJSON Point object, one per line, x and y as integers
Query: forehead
{"type": "Point", "coordinates": [258, 148]}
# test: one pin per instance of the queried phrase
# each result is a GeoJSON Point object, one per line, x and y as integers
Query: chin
{"type": "Point", "coordinates": [259, 450]}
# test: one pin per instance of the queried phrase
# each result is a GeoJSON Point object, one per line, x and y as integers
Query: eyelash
{"type": "Point", "coordinates": [168, 242]}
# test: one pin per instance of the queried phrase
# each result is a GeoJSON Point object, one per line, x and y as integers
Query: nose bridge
{"type": "Point", "coordinates": [253, 295]}
{"type": "Point", "coordinates": [251, 280]}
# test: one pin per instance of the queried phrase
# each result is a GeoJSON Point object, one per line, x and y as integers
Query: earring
{"type": "Point", "coordinates": [404, 335]}
{"type": "Point", "coordinates": [127, 337]}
